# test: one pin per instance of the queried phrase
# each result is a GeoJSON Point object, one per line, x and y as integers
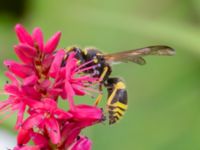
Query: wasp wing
{"type": "Point", "coordinates": [136, 55]}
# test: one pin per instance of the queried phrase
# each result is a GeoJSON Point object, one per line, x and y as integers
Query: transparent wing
{"type": "Point", "coordinates": [136, 55]}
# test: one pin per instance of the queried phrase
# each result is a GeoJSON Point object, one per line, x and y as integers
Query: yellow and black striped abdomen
{"type": "Point", "coordinates": [117, 100]}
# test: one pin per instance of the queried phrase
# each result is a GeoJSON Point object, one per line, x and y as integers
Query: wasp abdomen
{"type": "Point", "coordinates": [117, 99]}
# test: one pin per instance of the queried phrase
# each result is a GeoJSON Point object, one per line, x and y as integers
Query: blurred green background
{"type": "Point", "coordinates": [164, 106]}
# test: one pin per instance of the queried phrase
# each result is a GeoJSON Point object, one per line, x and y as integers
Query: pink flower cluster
{"type": "Point", "coordinates": [36, 83]}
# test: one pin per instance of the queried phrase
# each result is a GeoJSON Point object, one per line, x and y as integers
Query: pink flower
{"type": "Point", "coordinates": [36, 83]}
{"type": "Point", "coordinates": [36, 60]}
{"type": "Point", "coordinates": [36, 56]}
{"type": "Point", "coordinates": [83, 116]}
{"type": "Point", "coordinates": [24, 136]}
{"type": "Point", "coordinates": [46, 116]}
{"type": "Point", "coordinates": [35, 40]}
{"type": "Point", "coordinates": [16, 100]}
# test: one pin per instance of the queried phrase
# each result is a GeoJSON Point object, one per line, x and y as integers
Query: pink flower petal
{"type": "Point", "coordinates": [82, 143]}
{"type": "Point", "coordinates": [40, 140]}
{"type": "Point", "coordinates": [38, 38]}
{"type": "Point", "coordinates": [12, 77]}
{"type": "Point", "coordinates": [69, 92]}
{"type": "Point", "coordinates": [61, 114]}
{"type": "Point", "coordinates": [25, 52]}
{"type": "Point", "coordinates": [23, 57]}
{"type": "Point", "coordinates": [52, 43]}
{"type": "Point", "coordinates": [46, 63]}
{"type": "Point", "coordinates": [27, 148]}
{"type": "Point", "coordinates": [11, 89]}
{"type": "Point", "coordinates": [34, 106]}
{"type": "Point", "coordinates": [31, 80]}
{"type": "Point", "coordinates": [28, 50]}
{"type": "Point", "coordinates": [77, 90]}
{"type": "Point", "coordinates": [31, 92]}
{"type": "Point", "coordinates": [23, 136]}
{"type": "Point", "coordinates": [49, 104]}
{"type": "Point", "coordinates": [33, 121]}
{"type": "Point", "coordinates": [18, 69]}
{"type": "Point", "coordinates": [55, 92]}
{"type": "Point", "coordinates": [56, 64]}
{"type": "Point", "coordinates": [44, 85]}
{"type": "Point", "coordinates": [69, 133]}
{"type": "Point", "coordinates": [68, 89]}
{"type": "Point", "coordinates": [53, 130]}
{"type": "Point", "coordinates": [70, 65]}
{"type": "Point", "coordinates": [20, 115]}
{"type": "Point", "coordinates": [88, 113]}
{"type": "Point", "coordinates": [23, 35]}
{"type": "Point", "coordinates": [5, 105]}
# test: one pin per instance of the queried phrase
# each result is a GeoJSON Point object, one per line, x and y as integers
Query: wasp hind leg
{"type": "Point", "coordinates": [117, 102]}
{"type": "Point", "coordinates": [106, 71]}
{"type": "Point", "coordinates": [100, 96]}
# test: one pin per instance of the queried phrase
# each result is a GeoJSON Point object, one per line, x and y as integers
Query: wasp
{"type": "Point", "coordinates": [117, 100]}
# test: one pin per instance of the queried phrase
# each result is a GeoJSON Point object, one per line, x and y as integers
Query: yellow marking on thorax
{"type": "Point", "coordinates": [85, 51]}
{"type": "Point", "coordinates": [120, 85]}
{"type": "Point", "coordinates": [95, 60]}
{"type": "Point", "coordinates": [68, 49]}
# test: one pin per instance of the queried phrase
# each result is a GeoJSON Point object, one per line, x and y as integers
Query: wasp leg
{"type": "Point", "coordinates": [99, 98]}
{"type": "Point", "coordinates": [104, 73]}
{"type": "Point", "coordinates": [117, 99]}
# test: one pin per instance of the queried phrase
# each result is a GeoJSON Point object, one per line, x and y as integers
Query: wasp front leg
{"type": "Point", "coordinates": [117, 102]}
